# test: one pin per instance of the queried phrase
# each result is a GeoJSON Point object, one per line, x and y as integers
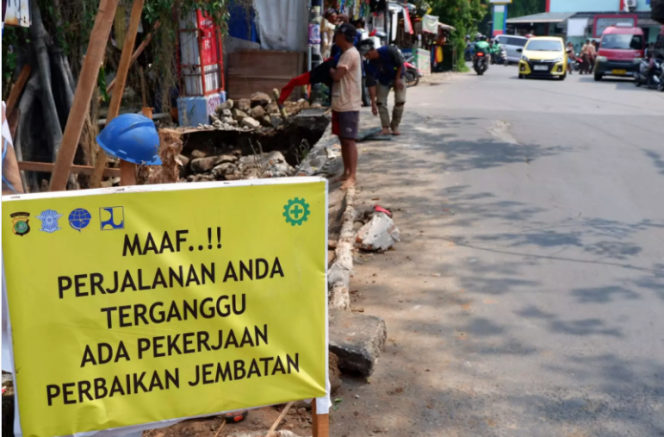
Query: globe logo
{"type": "Point", "coordinates": [79, 219]}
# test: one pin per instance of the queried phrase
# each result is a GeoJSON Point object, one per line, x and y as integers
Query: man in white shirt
{"type": "Point", "coordinates": [347, 99]}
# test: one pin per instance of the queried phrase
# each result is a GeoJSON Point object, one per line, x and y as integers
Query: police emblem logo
{"type": "Point", "coordinates": [20, 225]}
{"type": "Point", "coordinates": [49, 219]}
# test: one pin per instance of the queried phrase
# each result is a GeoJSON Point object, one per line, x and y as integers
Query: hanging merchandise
{"type": "Point", "coordinates": [407, 24]}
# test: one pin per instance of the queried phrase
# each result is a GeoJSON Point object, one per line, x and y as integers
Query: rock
{"type": "Point", "coordinates": [228, 104]}
{"type": "Point", "coordinates": [224, 169]}
{"type": "Point", "coordinates": [198, 154]}
{"type": "Point", "coordinates": [357, 340]}
{"type": "Point", "coordinates": [276, 121]}
{"type": "Point", "coordinates": [273, 109]}
{"type": "Point", "coordinates": [265, 121]}
{"type": "Point", "coordinates": [190, 178]}
{"type": "Point", "coordinates": [239, 115]}
{"type": "Point", "coordinates": [182, 160]}
{"type": "Point", "coordinates": [260, 99]}
{"type": "Point", "coordinates": [230, 121]}
{"type": "Point", "coordinates": [243, 105]}
{"type": "Point", "coordinates": [334, 373]}
{"type": "Point", "coordinates": [250, 123]}
{"type": "Point", "coordinates": [379, 234]}
{"type": "Point", "coordinates": [203, 178]}
{"type": "Point", "coordinates": [202, 165]}
{"type": "Point", "coordinates": [226, 113]}
{"type": "Point", "coordinates": [257, 112]}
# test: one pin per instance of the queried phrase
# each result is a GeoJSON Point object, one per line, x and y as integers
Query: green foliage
{"type": "Point", "coordinates": [465, 16]}
{"type": "Point", "coordinates": [519, 8]}
{"type": "Point", "coordinates": [12, 40]}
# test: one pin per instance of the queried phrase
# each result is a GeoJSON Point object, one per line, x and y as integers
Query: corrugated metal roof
{"type": "Point", "coordinates": [547, 17]}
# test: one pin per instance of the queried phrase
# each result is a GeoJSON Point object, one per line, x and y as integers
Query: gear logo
{"type": "Point", "coordinates": [296, 211]}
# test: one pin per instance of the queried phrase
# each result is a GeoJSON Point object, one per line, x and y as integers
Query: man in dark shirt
{"type": "Point", "coordinates": [384, 71]}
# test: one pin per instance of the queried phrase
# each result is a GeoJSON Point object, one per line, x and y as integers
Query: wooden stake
{"type": "Point", "coordinates": [17, 89]}
{"type": "Point", "coordinates": [86, 84]}
{"type": "Point", "coordinates": [279, 419]}
{"type": "Point", "coordinates": [223, 422]}
{"type": "Point", "coordinates": [116, 99]}
{"type": "Point", "coordinates": [320, 422]}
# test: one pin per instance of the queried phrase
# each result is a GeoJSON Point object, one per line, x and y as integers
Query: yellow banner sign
{"type": "Point", "coordinates": [165, 302]}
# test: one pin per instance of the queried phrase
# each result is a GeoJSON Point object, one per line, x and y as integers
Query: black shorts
{"type": "Point", "coordinates": [345, 124]}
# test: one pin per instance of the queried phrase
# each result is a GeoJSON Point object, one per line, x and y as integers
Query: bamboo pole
{"type": "Point", "coordinates": [116, 98]}
{"type": "Point", "coordinates": [86, 85]}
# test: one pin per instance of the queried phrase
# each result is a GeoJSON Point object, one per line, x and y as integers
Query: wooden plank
{"type": "Point", "coordinates": [86, 84]}
{"type": "Point", "coordinates": [48, 167]}
{"type": "Point", "coordinates": [17, 89]}
{"type": "Point", "coordinates": [116, 97]}
{"type": "Point", "coordinates": [320, 426]}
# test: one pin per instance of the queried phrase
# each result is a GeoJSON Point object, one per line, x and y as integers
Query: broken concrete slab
{"type": "Point", "coordinates": [357, 340]}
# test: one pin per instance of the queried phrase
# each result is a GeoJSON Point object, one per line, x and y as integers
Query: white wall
{"type": "Point", "coordinates": [592, 5]}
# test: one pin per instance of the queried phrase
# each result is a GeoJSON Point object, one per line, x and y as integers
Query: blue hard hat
{"type": "Point", "coordinates": [131, 137]}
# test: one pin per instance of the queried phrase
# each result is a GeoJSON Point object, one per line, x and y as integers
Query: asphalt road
{"type": "Point", "coordinates": [527, 295]}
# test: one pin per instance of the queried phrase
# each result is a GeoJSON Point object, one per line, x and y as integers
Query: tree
{"type": "Point", "coordinates": [465, 16]}
{"type": "Point", "coordinates": [519, 8]}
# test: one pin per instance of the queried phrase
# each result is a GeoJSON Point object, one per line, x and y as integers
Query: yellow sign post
{"type": "Point", "coordinates": [140, 305]}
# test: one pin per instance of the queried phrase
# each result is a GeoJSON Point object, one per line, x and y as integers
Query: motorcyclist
{"type": "Point", "coordinates": [482, 46]}
{"type": "Point", "coordinates": [495, 51]}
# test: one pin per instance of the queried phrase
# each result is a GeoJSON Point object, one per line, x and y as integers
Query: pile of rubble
{"type": "Point", "coordinates": [233, 166]}
{"type": "Point", "coordinates": [254, 113]}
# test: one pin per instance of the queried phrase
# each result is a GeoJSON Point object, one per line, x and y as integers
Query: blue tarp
{"type": "Point", "coordinates": [241, 23]}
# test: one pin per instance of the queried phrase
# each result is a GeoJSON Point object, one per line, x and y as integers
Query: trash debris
{"type": "Point", "coordinates": [379, 234]}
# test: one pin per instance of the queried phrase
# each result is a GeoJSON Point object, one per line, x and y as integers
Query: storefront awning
{"type": "Point", "coordinates": [547, 17]}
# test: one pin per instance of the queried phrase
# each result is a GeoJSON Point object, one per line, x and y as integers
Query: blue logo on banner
{"type": "Point", "coordinates": [111, 218]}
{"type": "Point", "coordinates": [49, 219]}
{"type": "Point", "coordinates": [79, 219]}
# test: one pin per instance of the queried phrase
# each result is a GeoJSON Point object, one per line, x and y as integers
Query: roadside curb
{"type": "Point", "coordinates": [340, 270]}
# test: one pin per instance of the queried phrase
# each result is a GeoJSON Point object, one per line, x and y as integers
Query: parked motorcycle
{"type": "Point", "coordinates": [411, 74]}
{"type": "Point", "coordinates": [650, 78]}
{"type": "Point", "coordinates": [480, 63]}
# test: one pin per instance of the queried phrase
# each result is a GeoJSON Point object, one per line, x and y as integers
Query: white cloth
{"type": "Point", "coordinates": [430, 24]}
{"type": "Point", "coordinates": [280, 24]}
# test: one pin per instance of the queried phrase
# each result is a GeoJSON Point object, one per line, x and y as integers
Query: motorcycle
{"type": "Point", "coordinates": [480, 63]}
{"type": "Point", "coordinates": [644, 76]}
{"type": "Point", "coordinates": [411, 74]}
{"type": "Point", "coordinates": [500, 58]}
